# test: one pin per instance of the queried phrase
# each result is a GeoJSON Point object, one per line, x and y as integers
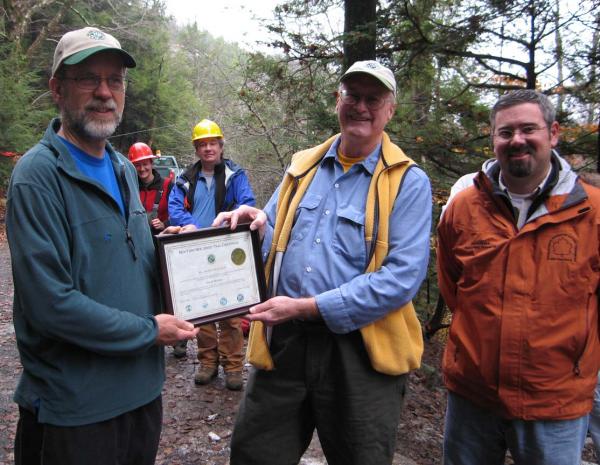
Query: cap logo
{"type": "Point", "coordinates": [96, 35]}
{"type": "Point", "coordinates": [371, 65]}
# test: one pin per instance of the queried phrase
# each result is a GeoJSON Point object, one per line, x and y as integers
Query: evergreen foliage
{"type": "Point", "coordinates": [23, 118]}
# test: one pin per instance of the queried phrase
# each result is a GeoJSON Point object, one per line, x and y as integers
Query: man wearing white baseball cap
{"type": "Point", "coordinates": [373, 68]}
{"type": "Point", "coordinates": [346, 243]}
{"type": "Point", "coordinates": [86, 309]}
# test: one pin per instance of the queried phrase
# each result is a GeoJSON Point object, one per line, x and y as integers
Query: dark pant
{"type": "Point", "coordinates": [129, 439]}
{"type": "Point", "coordinates": [321, 380]}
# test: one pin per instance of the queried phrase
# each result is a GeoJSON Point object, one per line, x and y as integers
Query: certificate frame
{"type": "Point", "coordinates": [198, 267]}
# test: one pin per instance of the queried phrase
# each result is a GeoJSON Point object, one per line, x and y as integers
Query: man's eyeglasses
{"type": "Point", "coordinates": [507, 134]}
{"type": "Point", "coordinates": [372, 102]}
{"type": "Point", "coordinates": [92, 82]}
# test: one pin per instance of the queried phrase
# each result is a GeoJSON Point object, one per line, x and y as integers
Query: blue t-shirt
{"type": "Point", "coordinates": [100, 169]}
{"type": "Point", "coordinates": [204, 201]}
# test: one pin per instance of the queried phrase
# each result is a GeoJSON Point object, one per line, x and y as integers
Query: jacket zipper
{"type": "Point", "coordinates": [122, 179]}
{"type": "Point", "coordinates": [576, 368]}
{"type": "Point", "coordinates": [126, 198]}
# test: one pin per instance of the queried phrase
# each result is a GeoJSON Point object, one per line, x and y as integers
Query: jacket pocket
{"type": "Point", "coordinates": [557, 337]}
{"type": "Point", "coordinates": [584, 339]}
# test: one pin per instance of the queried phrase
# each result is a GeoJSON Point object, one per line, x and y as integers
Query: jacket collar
{"type": "Point", "coordinates": [156, 183]}
{"type": "Point", "coordinates": [303, 161]}
{"type": "Point", "coordinates": [369, 163]}
{"type": "Point", "coordinates": [226, 165]}
{"type": "Point", "coordinates": [562, 183]}
{"type": "Point", "coordinates": [64, 159]}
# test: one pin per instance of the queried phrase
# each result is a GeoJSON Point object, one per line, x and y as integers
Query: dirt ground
{"type": "Point", "coordinates": [198, 420]}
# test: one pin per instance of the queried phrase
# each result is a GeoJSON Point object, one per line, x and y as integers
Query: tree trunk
{"type": "Point", "coordinates": [359, 30]}
{"type": "Point", "coordinates": [559, 59]}
{"type": "Point", "coordinates": [530, 67]}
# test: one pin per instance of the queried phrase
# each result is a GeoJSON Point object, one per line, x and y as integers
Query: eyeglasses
{"type": "Point", "coordinates": [507, 134]}
{"type": "Point", "coordinates": [373, 102]}
{"type": "Point", "coordinates": [92, 82]}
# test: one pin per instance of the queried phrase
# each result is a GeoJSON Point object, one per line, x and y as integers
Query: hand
{"type": "Point", "coordinates": [157, 224]}
{"type": "Point", "coordinates": [172, 329]}
{"type": "Point", "coordinates": [242, 214]}
{"type": "Point", "coordinates": [179, 229]}
{"type": "Point", "coordinates": [280, 309]}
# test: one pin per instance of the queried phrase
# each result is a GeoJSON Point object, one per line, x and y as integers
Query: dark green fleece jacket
{"type": "Point", "coordinates": [86, 289]}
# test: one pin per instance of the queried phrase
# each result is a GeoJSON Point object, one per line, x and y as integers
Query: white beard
{"type": "Point", "coordinates": [82, 124]}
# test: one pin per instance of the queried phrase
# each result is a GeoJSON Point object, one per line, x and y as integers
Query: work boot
{"type": "Point", "coordinates": [180, 349]}
{"type": "Point", "coordinates": [204, 375]}
{"type": "Point", "coordinates": [234, 380]}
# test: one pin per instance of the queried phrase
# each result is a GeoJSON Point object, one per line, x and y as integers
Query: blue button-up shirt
{"type": "Point", "coordinates": [326, 255]}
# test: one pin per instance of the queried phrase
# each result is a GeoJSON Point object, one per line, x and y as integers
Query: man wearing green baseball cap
{"type": "Point", "coordinates": [86, 310]}
{"type": "Point", "coordinates": [76, 46]}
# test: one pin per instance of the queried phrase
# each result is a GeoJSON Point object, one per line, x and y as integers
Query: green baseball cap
{"type": "Point", "coordinates": [76, 46]}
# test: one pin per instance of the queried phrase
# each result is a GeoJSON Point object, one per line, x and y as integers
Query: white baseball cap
{"type": "Point", "coordinates": [76, 46]}
{"type": "Point", "coordinates": [375, 69]}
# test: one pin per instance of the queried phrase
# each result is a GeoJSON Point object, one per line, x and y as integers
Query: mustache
{"type": "Point", "coordinates": [100, 105]}
{"type": "Point", "coordinates": [357, 115]}
{"type": "Point", "coordinates": [523, 148]}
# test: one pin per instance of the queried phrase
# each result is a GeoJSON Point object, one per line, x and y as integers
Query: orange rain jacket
{"type": "Point", "coordinates": [524, 335]}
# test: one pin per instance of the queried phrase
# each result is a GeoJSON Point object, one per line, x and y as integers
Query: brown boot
{"type": "Point", "coordinates": [205, 375]}
{"type": "Point", "coordinates": [234, 380]}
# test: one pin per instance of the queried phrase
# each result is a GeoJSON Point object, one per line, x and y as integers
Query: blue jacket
{"type": "Point", "coordinates": [232, 190]}
{"type": "Point", "coordinates": [86, 289]}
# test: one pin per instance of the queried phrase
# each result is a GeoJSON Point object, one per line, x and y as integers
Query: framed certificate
{"type": "Point", "coordinates": [211, 274]}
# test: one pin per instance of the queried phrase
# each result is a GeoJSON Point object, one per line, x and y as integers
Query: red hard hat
{"type": "Point", "coordinates": [140, 151]}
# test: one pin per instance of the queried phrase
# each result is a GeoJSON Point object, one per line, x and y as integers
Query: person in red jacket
{"type": "Point", "coordinates": [154, 195]}
{"type": "Point", "coordinates": [154, 190]}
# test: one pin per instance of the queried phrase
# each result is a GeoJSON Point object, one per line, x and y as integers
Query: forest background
{"type": "Point", "coordinates": [451, 58]}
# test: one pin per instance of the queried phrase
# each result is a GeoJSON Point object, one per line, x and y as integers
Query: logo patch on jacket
{"type": "Point", "coordinates": [562, 247]}
{"type": "Point", "coordinates": [480, 244]}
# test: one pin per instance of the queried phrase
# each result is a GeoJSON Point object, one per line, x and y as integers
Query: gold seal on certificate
{"type": "Point", "coordinates": [211, 274]}
{"type": "Point", "coordinates": [238, 256]}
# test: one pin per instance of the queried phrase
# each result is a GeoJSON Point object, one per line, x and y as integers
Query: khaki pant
{"type": "Point", "coordinates": [225, 349]}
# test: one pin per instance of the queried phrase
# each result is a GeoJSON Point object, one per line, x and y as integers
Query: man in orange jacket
{"type": "Point", "coordinates": [518, 260]}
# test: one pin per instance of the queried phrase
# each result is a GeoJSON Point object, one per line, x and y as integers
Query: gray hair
{"type": "Point", "coordinates": [518, 97]}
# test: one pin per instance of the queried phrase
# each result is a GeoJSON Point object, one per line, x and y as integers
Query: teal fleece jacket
{"type": "Point", "coordinates": [86, 289]}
